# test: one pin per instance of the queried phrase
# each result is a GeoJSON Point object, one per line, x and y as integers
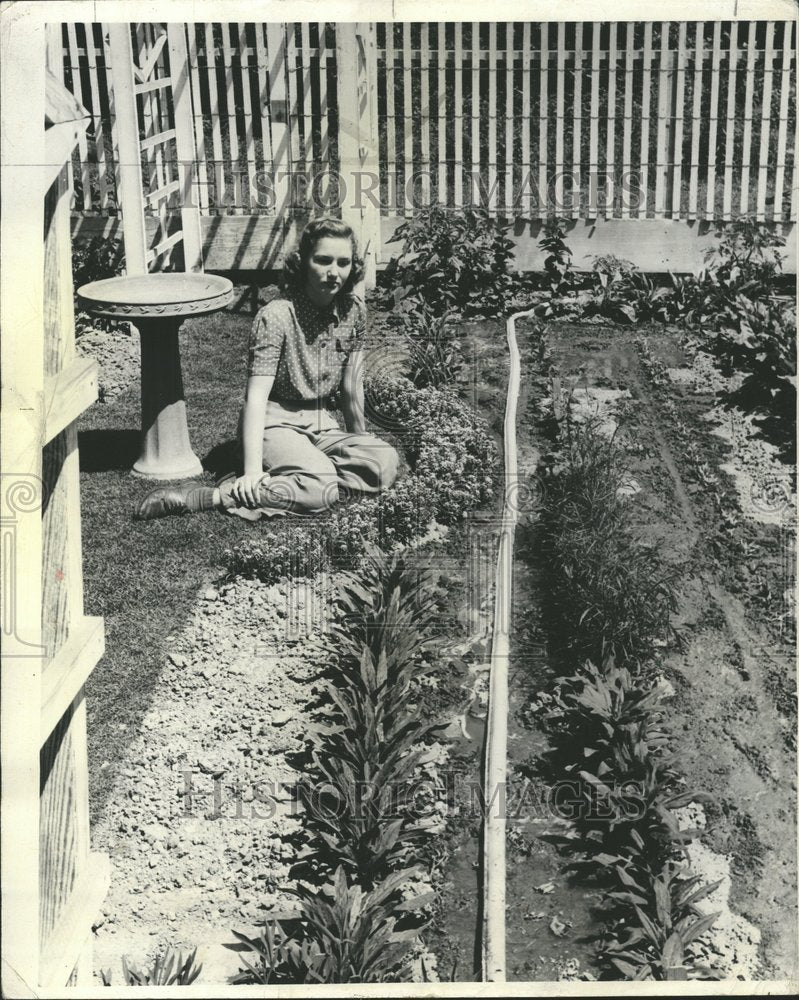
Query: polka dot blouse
{"type": "Point", "coordinates": [305, 346]}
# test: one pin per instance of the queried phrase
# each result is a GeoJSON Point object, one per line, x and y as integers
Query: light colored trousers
{"type": "Point", "coordinates": [310, 460]}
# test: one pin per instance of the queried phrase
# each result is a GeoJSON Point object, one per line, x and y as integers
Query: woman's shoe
{"type": "Point", "coordinates": [166, 501]}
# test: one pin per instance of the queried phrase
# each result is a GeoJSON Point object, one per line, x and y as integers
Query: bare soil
{"type": "Point", "coordinates": [732, 671]}
{"type": "Point", "coordinates": [231, 704]}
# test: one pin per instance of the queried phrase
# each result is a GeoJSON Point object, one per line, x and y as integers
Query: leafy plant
{"type": "Point", "coordinates": [169, 969]}
{"type": "Point", "coordinates": [648, 301]}
{"type": "Point", "coordinates": [93, 261]}
{"type": "Point", "coordinates": [760, 345]}
{"type": "Point", "coordinates": [747, 260]}
{"type": "Point", "coordinates": [610, 739]}
{"type": "Point", "coordinates": [654, 940]}
{"type": "Point", "coordinates": [744, 265]}
{"type": "Point", "coordinates": [366, 761]}
{"type": "Point", "coordinates": [623, 294]}
{"type": "Point", "coordinates": [454, 259]}
{"type": "Point", "coordinates": [281, 958]}
{"type": "Point", "coordinates": [341, 934]}
{"type": "Point", "coordinates": [608, 590]}
{"type": "Point", "coordinates": [557, 263]}
{"type": "Point", "coordinates": [435, 357]}
{"type": "Point", "coordinates": [357, 931]}
{"type": "Point", "coordinates": [686, 297]}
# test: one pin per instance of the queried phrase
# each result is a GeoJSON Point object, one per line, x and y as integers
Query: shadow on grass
{"type": "Point", "coordinates": [108, 450]}
{"type": "Point", "coordinates": [223, 458]}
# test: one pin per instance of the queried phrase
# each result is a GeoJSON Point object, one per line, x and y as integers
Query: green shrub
{"type": "Point", "coordinates": [454, 259]}
{"type": "Point", "coordinates": [100, 258]}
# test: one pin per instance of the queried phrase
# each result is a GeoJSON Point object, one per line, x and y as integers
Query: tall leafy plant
{"type": "Point", "coordinates": [435, 357]}
{"type": "Point", "coordinates": [609, 590]}
{"type": "Point", "coordinates": [454, 259]}
{"type": "Point", "coordinates": [341, 934]}
{"type": "Point", "coordinates": [367, 759]}
{"type": "Point", "coordinates": [558, 260]}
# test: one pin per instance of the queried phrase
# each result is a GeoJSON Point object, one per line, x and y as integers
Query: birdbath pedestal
{"type": "Point", "coordinates": [157, 304]}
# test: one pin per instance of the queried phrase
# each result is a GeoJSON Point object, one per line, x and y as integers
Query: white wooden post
{"type": "Point", "coordinates": [278, 119]}
{"type": "Point", "coordinates": [356, 59]}
{"type": "Point", "coordinates": [22, 87]}
{"type": "Point", "coordinates": [128, 152]}
{"type": "Point", "coordinates": [186, 149]}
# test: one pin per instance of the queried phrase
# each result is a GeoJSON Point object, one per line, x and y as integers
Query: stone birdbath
{"type": "Point", "coordinates": [157, 304]}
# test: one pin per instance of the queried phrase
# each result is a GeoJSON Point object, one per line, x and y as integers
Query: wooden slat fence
{"type": "Point", "coordinates": [237, 71]}
{"type": "Point", "coordinates": [653, 120]}
{"type": "Point", "coordinates": [658, 120]}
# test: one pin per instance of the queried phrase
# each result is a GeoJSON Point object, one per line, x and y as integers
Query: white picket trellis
{"type": "Point", "coordinates": [691, 121]}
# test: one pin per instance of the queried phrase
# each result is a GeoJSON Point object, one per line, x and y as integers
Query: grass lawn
{"type": "Point", "coordinates": [144, 576]}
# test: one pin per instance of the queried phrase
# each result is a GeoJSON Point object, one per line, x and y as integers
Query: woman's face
{"type": "Point", "coordinates": [329, 267]}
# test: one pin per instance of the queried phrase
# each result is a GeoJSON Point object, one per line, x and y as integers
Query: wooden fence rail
{"type": "Point", "coordinates": [671, 120]}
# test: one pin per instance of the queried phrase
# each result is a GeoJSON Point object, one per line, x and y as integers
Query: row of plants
{"type": "Point", "coordinates": [743, 268]}
{"type": "Point", "coordinates": [610, 742]}
{"type": "Point", "coordinates": [365, 837]}
{"type": "Point", "coordinates": [732, 306]}
{"type": "Point", "coordinates": [607, 609]}
{"type": "Point", "coordinates": [607, 587]}
{"type": "Point", "coordinates": [365, 802]}
{"type": "Point", "coordinates": [459, 261]}
{"type": "Point", "coordinates": [453, 469]}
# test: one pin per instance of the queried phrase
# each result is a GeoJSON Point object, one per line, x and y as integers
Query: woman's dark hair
{"type": "Point", "coordinates": [295, 267]}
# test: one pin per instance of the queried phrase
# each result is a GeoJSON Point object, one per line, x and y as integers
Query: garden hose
{"type": "Point", "coordinates": [496, 734]}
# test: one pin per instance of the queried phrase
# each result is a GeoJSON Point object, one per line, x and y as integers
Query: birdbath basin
{"type": "Point", "coordinates": [157, 304]}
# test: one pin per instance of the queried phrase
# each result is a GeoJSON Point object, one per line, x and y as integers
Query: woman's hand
{"type": "Point", "coordinates": [246, 490]}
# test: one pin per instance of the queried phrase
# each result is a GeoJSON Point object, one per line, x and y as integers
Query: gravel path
{"type": "Point", "coordinates": [118, 356]}
{"type": "Point", "coordinates": [197, 824]}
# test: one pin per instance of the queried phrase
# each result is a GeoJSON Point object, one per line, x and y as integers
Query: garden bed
{"type": "Point", "coordinates": [731, 696]}
{"type": "Point", "coordinates": [196, 728]}
{"type": "Point", "coordinates": [211, 695]}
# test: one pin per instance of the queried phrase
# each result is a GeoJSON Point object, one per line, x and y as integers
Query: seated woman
{"type": "Point", "coordinates": [304, 349]}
